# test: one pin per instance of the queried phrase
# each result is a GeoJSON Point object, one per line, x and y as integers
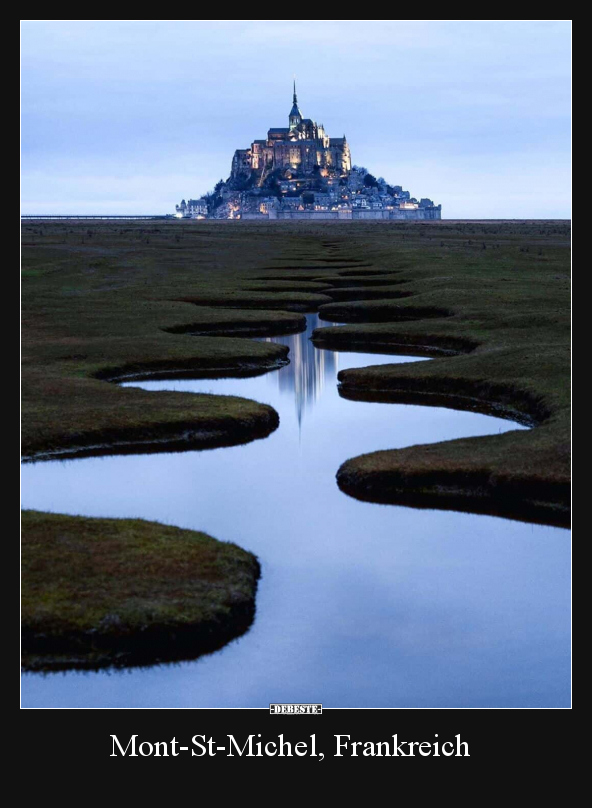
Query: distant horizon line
{"type": "Point", "coordinates": [172, 216]}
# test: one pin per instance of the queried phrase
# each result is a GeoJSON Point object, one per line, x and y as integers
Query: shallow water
{"type": "Point", "coordinates": [359, 604]}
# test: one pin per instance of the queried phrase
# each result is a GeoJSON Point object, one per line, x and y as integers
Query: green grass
{"type": "Point", "coordinates": [498, 322]}
{"type": "Point", "coordinates": [290, 301]}
{"type": "Point", "coordinates": [105, 301]}
{"type": "Point", "coordinates": [102, 304]}
{"type": "Point", "coordinates": [102, 592]}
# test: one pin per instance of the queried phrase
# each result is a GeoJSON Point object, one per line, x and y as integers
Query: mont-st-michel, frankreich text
{"type": "Point", "coordinates": [255, 745]}
{"type": "Point", "coordinates": [299, 172]}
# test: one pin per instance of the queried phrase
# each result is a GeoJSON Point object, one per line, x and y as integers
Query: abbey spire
{"type": "Point", "coordinates": [295, 116]}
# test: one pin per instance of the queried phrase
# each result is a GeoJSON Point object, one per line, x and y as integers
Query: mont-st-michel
{"type": "Point", "coordinates": [299, 172]}
{"type": "Point", "coordinates": [304, 445]}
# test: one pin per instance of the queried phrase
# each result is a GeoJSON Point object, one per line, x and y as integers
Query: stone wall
{"type": "Point", "coordinates": [308, 214]}
{"type": "Point", "coordinates": [415, 215]}
{"type": "Point", "coordinates": [358, 213]}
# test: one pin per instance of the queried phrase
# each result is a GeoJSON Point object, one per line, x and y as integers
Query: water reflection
{"type": "Point", "coordinates": [358, 604]}
{"type": "Point", "coordinates": [309, 371]}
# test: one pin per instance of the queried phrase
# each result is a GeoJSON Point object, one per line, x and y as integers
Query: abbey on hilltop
{"type": "Point", "coordinates": [299, 172]}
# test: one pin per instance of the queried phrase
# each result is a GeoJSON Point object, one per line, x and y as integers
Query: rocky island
{"type": "Point", "coordinates": [299, 172]}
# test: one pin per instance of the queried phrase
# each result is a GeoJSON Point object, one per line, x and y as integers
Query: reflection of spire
{"type": "Point", "coordinates": [308, 370]}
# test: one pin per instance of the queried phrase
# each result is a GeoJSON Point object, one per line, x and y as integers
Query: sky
{"type": "Point", "coordinates": [131, 116]}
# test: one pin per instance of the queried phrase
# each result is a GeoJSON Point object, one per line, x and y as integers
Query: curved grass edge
{"type": "Point", "coordinates": [164, 437]}
{"type": "Point", "coordinates": [294, 325]}
{"type": "Point", "coordinates": [133, 624]}
{"type": "Point", "coordinates": [283, 301]}
{"type": "Point", "coordinates": [421, 476]}
{"type": "Point", "coordinates": [192, 368]}
{"type": "Point", "coordinates": [464, 490]}
{"type": "Point", "coordinates": [379, 311]}
{"type": "Point", "coordinates": [340, 339]}
{"type": "Point", "coordinates": [185, 434]}
{"type": "Point", "coordinates": [401, 478]}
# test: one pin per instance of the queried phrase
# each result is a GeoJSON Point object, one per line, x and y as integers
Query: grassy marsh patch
{"type": "Point", "coordinates": [491, 299]}
{"type": "Point", "coordinates": [115, 592]}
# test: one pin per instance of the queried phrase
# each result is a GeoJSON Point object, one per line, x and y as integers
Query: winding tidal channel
{"type": "Point", "coordinates": [359, 604]}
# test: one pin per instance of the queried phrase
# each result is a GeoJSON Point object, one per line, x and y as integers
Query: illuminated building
{"type": "Point", "coordinates": [299, 172]}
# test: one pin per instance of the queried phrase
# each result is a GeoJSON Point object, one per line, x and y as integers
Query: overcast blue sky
{"type": "Point", "coordinates": [129, 116]}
